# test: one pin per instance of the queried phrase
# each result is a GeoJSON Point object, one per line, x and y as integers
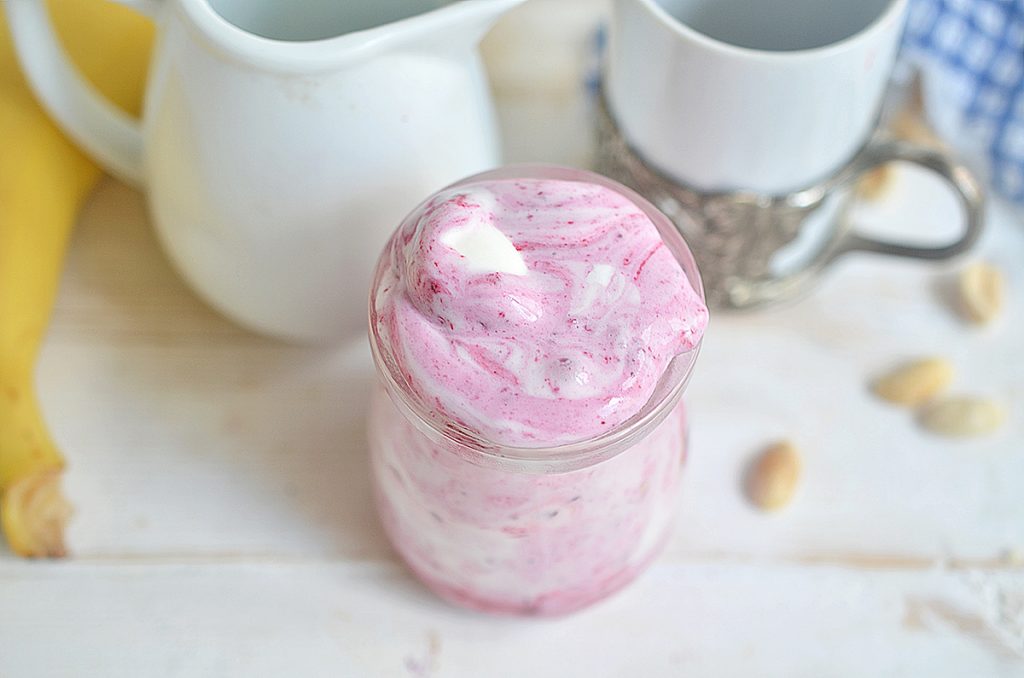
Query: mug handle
{"type": "Point", "coordinates": [743, 294]}
{"type": "Point", "coordinates": [960, 179]}
{"type": "Point", "coordinates": [112, 137]}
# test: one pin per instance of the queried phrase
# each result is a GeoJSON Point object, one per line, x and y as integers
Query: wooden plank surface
{"type": "Point", "coordinates": [317, 618]}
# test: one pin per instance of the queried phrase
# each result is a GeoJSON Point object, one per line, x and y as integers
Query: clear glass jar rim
{"type": "Point", "coordinates": [571, 455]}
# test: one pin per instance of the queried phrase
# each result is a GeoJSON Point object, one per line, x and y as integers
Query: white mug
{"type": "Point", "coordinates": [747, 123]}
{"type": "Point", "coordinates": [281, 143]}
{"type": "Point", "coordinates": [769, 96]}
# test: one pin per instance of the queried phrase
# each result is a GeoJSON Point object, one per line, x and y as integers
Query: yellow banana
{"type": "Point", "coordinates": [44, 179]}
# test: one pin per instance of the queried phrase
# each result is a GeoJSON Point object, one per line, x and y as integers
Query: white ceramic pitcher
{"type": "Point", "coordinates": [282, 142]}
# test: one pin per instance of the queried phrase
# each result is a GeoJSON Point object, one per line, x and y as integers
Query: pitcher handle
{"type": "Point", "coordinates": [965, 187]}
{"type": "Point", "coordinates": [109, 135]}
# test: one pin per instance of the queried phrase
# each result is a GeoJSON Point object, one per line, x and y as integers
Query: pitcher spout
{"type": "Point", "coordinates": [461, 24]}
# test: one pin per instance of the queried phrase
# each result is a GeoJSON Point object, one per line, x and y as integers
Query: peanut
{"type": "Point", "coordinates": [914, 383]}
{"type": "Point", "coordinates": [963, 416]}
{"type": "Point", "coordinates": [773, 478]}
{"type": "Point", "coordinates": [982, 292]}
{"type": "Point", "coordinates": [874, 184]}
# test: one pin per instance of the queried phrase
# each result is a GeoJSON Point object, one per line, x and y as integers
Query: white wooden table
{"type": "Point", "coordinates": [225, 528]}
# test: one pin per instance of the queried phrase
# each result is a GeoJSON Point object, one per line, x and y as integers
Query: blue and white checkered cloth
{"type": "Point", "coordinates": [970, 54]}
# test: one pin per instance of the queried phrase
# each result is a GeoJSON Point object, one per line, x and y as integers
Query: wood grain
{"type": "Point", "coordinates": [372, 620]}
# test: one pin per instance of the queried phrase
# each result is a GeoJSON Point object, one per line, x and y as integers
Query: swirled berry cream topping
{"type": "Point", "coordinates": [534, 312]}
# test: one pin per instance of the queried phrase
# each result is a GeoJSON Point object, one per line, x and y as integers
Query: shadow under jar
{"type": "Point", "coordinates": [541, 530]}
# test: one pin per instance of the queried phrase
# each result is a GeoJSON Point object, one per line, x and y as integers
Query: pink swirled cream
{"type": "Point", "coordinates": [534, 329]}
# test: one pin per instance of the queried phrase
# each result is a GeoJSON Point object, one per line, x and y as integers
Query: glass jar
{"type": "Point", "coordinates": [528, 530]}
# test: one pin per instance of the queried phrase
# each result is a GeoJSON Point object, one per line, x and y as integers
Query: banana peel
{"type": "Point", "coordinates": [44, 179]}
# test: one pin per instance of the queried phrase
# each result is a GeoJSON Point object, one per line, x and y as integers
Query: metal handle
{"type": "Point", "coordinates": [744, 293]}
{"type": "Point", "coordinates": [963, 183]}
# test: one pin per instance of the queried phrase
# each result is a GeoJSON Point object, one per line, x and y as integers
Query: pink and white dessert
{"type": "Point", "coordinates": [534, 334]}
